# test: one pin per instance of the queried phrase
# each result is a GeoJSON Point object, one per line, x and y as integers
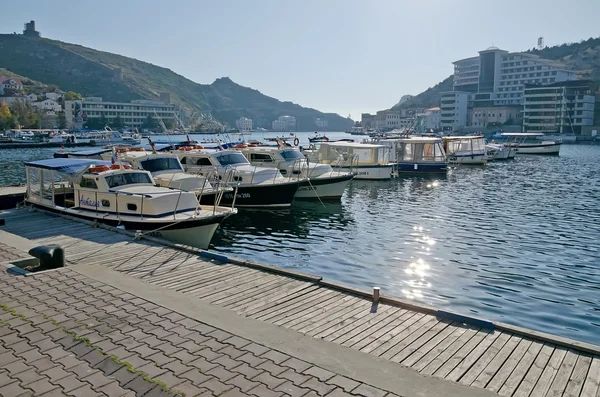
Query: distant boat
{"type": "Point", "coordinates": [318, 138]}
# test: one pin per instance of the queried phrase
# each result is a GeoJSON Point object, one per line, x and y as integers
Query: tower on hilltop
{"type": "Point", "coordinates": [30, 31]}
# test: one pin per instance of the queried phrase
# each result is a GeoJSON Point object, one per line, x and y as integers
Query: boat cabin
{"type": "Point", "coordinates": [465, 149]}
{"type": "Point", "coordinates": [417, 154]}
{"type": "Point", "coordinates": [360, 153]}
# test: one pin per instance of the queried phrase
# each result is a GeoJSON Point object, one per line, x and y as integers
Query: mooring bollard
{"type": "Point", "coordinates": [51, 256]}
{"type": "Point", "coordinates": [375, 294]}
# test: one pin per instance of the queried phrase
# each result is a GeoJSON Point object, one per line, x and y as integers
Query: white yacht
{"type": "Point", "coordinates": [500, 151]}
{"type": "Point", "coordinates": [532, 143]}
{"type": "Point", "coordinates": [63, 138]}
{"type": "Point", "coordinates": [117, 195]}
{"type": "Point", "coordinates": [366, 161]}
{"type": "Point", "coordinates": [256, 186]}
{"type": "Point", "coordinates": [320, 181]}
{"type": "Point", "coordinates": [465, 149]}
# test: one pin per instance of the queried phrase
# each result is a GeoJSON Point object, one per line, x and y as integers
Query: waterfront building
{"type": "Point", "coordinates": [563, 107]}
{"type": "Point", "coordinates": [53, 95]}
{"type": "Point", "coordinates": [10, 83]}
{"type": "Point", "coordinates": [495, 115]}
{"type": "Point", "coordinates": [453, 110]}
{"type": "Point", "coordinates": [244, 124]}
{"type": "Point", "coordinates": [321, 124]}
{"type": "Point", "coordinates": [396, 120]}
{"type": "Point", "coordinates": [284, 123]}
{"type": "Point", "coordinates": [367, 120]}
{"type": "Point", "coordinates": [498, 77]}
{"type": "Point", "coordinates": [428, 120]}
{"type": "Point", "coordinates": [133, 114]}
{"type": "Point", "coordinates": [48, 105]}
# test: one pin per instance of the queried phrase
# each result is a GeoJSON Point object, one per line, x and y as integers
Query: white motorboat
{"type": "Point", "coordinates": [366, 161]}
{"type": "Point", "coordinates": [532, 143]}
{"type": "Point", "coordinates": [468, 150]}
{"type": "Point", "coordinates": [500, 151]}
{"type": "Point", "coordinates": [319, 181]}
{"type": "Point", "coordinates": [256, 186]}
{"type": "Point", "coordinates": [63, 138]}
{"type": "Point", "coordinates": [117, 195]}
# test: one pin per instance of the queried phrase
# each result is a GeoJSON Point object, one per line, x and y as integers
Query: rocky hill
{"type": "Point", "coordinates": [583, 57]}
{"type": "Point", "coordinates": [119, 78]}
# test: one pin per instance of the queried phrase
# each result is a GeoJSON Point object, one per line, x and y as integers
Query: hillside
{"type": "Point", "coordinates": [583, 57]}
{"type": "Point", "coordinates": [30, 86]}
{"type": "Point", "coordinates": [115, 77]}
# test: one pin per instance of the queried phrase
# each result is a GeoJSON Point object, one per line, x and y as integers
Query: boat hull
{"type": "Point", "coordinates": [278, 195]}
{"type": "Point", "coordinates": [421, 168]}
{"type": "Point", "coordinates": [377, 172]}
{"type": "Point", "coordinates": [550, 149]}
{"type": "Point", "coordinates": [324, 188]}
{"type": "Point", "coordinates": [469, 159]}
{"type": "Point", "coordinates": [195, 232]}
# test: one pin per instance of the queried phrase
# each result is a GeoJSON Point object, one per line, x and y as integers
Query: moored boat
{"type": "Point", "coordinates": [417, 155]}
{"type": "Point", "coordinates": [469, 150]}
{"type": "Point", "coordinates": [117, 195]}
{"type": "Point", "coordinates": [366, 161]}
{"type": "Point", "coordinates": [532, 143]}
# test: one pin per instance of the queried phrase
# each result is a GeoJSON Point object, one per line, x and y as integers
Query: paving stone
{"type": "Point", "coordinates": [169, 349]}
{"type": "Point", "coordinates": [16, 367]}
{"type": "Point", "coordinates": [221, 373]}
{"type": "Point", "coordinates": [123, 376]}
{"type": "Point", "coordinates": [242, 383]}
{"type": "Point", "coordinates": [226, 362]}
{"type": "Point", "coordinates": [246, 370]}
{"type": "Point", "coordinates": [160, 359]}
{"type": "Point", "coordinates": [69, 383]}
{"type": "Point", "coordinates": [93, 357]}
{"type": "Point", "coordinates": [58, 392]}
{"type": "Point", "coordinates": [269, 380]}
{"type": "Point", "coordinates": [56, 373]}
{"type": "Point", "coordinates": [157, 391]}
{"type": "Point", "coordinates": [345, 383]}
{"type": "Point", "coordinates": [81, 349]}
{"type": "Point", "coordinates": [275, 356]}
{"type": "Point", "coordinates": [40, 386]}
{"type": "Point", "coordinates": [202, 364]}
{"type": "Point", "coordinates": [232, 352]}
{"type": "Point", "coordinates": [321, 388]}
{"type": "Point", "coordinates": [12, 389]}
{"type": "Point", "coordinates": [294, 377]}
{"type": "Point", "coordinates": [292, 390]}
{"type": "Point", "coordinates": [189, 346]}
{"type": "Point", "coordinates": [139, 385]}
{"type": "Point", "coordinates": [233, 393]}
{"type": "Point", "coordinates": [338, 392]}
{"type": "Point", "coordinates": [189, 389]}
{"type": "Point", "coordinates": [152, 370]}
{"type": "Point", "coordinates": [208, 354]}
{"type": "Point", "coordinates": [85, 391]}
{"type": "Point", "coordinates": [368, 391]}
{"type": "Point", "coordinates": [263, 391]}
{"type": "Point", "coordinates": [320, 373]}
{"type": "Point", "coordinates": [251, 359]}
{"type": "Point", "coordinates": [216, 386]}
{"type": "Point", "coordinates": [7, 358]}
{"type": "Point", "coordinates": [184, 356]}
{"type": "Point", "coordinates": [298, 365]}
{"type": "Point", "coordinates": [107, 366]}
{"type": "Point", "coordinates": [98, 379]}
{"type": "Point", "coordinates": [169, 379]}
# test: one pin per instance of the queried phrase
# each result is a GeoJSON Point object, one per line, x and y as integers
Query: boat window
{"type": "Point", "coordinates": [407, 153]}
{"type": "Point", "coordinates": [428, 152]}
{"type": "Point", "coordinates": [183, 160]}
{"type": "Point", "coordinates": [131, 207]}
{"type": "Point", "coordinates": [232, 159]}
{"type": "Point", "coordinates": [128, 178]}
{"type": "Point", "coordinates": [162, 164]}
{"type": "Point", "coordinates": [440, 155]}
{"type": "Point", "coordinates": [263, 158]}
{"type": "Point", "coordinates": [292, 155]}
{"type": "Point", "coordinates": [105, 203]}
{"type": "Point", "coordinates": [203, 161]}
{"type": "Point", "coordinates": [47, 185]}
{"type": "Point", "coordinates": [88, 183]}
{"type": "Point", "coordinates": [34, 179]}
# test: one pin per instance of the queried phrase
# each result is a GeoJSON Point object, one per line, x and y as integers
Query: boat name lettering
{"type": "Point", "coordinates": [238, 195]}
{"type": "Point", "coordinates": [88, 202]}
{"type": "Point", "coordinates": [363, 173]}
{"type": "Point", "coordinates": [306, 188]}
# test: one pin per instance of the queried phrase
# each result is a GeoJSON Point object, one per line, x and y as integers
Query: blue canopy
{"type": "Point", "coordinates": [89, 152]}
{"type": "Point", "coordinates": [69, 167]}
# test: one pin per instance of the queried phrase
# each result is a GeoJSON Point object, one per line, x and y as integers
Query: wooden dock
{"type": "Point", "coordinates": [507, 360]}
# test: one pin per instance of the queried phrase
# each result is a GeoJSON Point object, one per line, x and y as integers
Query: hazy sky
{"type": "Point", "coordinates": [344, 56]}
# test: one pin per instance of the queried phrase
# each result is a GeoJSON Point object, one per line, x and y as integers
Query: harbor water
{"type": "Point", "coordinates": [515, 241]}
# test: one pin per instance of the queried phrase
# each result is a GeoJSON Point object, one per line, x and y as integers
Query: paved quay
{"type": "Point", "coordinates": [393, 348]}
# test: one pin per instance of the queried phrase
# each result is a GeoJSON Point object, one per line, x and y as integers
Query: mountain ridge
{"type": "Point", "coordinates": [115, 77]}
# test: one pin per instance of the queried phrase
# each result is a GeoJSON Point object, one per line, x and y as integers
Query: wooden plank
{"type": "Point", "coordinates": [284, 294]}
{"type": "Point", "coordinates": [344, 331]}
{"type": "Point", "coordinates": [203, 275]}
{"type": "Point", "coordinates": [498, 379]}
{"type": "Point", "coordinates": [445, 352]}
{"type": "Point", "coordinates": [249, 288]}
{"type": "Point", "coordinates": [535, 371]}
{"type": "Point", "coordinates": [367, 335]}
{"type": "Point", "coordinates": [265, 290]}
{"type": "Point", "coordinates": [518, 374]}
{"type": "Point", "coordinates": [431, 344]}
{"type": "Point", "coordinates": [461, 353]}
{"type": "Point", "coordinates": [293, 306]}
{"type": "Point", "coordinates": [402, 350]}
{"type": "Point", "coordinates": [591, 387]}
{"type": "Point", "coordinates": [385, 349]}
{"type": "Point", "coordinates": [329, 314]}
{"type": "Point", "coordinates": [498, 361]}
{"type": "Point", "coordinates": [360, 310]}
{"type": "Point", "coordinates": [578, 376]}
{"type": "Point", "coordinates": [386, 332]}
{"type": "Point", "coordinates": [559, 383]}
{"type": "Point", "coordinates": [335, 300]}
{"type": "Point", "coordinates": [225, 286]}
{"type": "Point", "coordinates": [549, 373]}
{"type": "Point", "coordinates": [472, 356]}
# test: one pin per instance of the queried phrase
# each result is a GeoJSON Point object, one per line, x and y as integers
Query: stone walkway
{"type": "Point", "coordinates": [63, 333]}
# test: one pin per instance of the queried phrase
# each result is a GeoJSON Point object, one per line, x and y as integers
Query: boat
{"type": "Point", "coordinates": [530, 143]}
{"type": "Point", "coordinates": [319, 181]}
{"type": "Point", "coordinates": [117, 195]}
{"type": "Point", "coordinates": [417, 155]}
{"type": "Point", "coordinates": [63, 138]}
{"type": "Point", "coordinates": [500, 151]}
{"type": "Point", "coordinates": [366, 161]}
{"type": "Point", "coordinates": [468, 150]}
{"type": "Point", "coordinates": [318, 138]}
{"type": "Point", "coordinates": [257, 187]}
{"type": "Point", "coordinates": [111, 137]}
{"type": "Point", "coordinates": [358, 131]}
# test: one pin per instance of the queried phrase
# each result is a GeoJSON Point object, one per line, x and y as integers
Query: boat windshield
{"type": "Point", "coordinates": [292, 155]}
{"type": "Point", "coordinates": [232, 159]}
{"type": "Point", "coordinates": [127, 178]}
{"type": "Point", "coordinates": [161, 164]}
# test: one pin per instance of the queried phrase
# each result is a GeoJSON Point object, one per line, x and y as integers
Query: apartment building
{"type": "Point", "coordinates": [453, 110]}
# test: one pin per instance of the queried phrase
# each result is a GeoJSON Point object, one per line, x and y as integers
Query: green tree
{"type": "Point", "coordinates": [117, 123]}
{"type": "Point", "coordinates": [26, 115]}
{"type": "Point", "coordinates": [62, 120]}
{"type": "Point", "coordinates": [170, 124]}
{"type": "Point", "coordinates": [150, 123]}
{"type": "Point", "coordinates": [72, 96]}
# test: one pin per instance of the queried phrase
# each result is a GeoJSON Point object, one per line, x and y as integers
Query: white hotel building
{"type": "Point", "coordinates": [133, 113]}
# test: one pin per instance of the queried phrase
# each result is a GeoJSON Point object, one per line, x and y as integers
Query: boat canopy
{"type": "Point", "coordinates": [72, 169]}
{"type": "Point", "coordinates": [522, 134]}
{"type": "Point", "coordinates": [159, 147]}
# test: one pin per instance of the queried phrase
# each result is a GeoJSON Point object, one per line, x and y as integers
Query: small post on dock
{"type": "Point", "coordinates": [375, 294]}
